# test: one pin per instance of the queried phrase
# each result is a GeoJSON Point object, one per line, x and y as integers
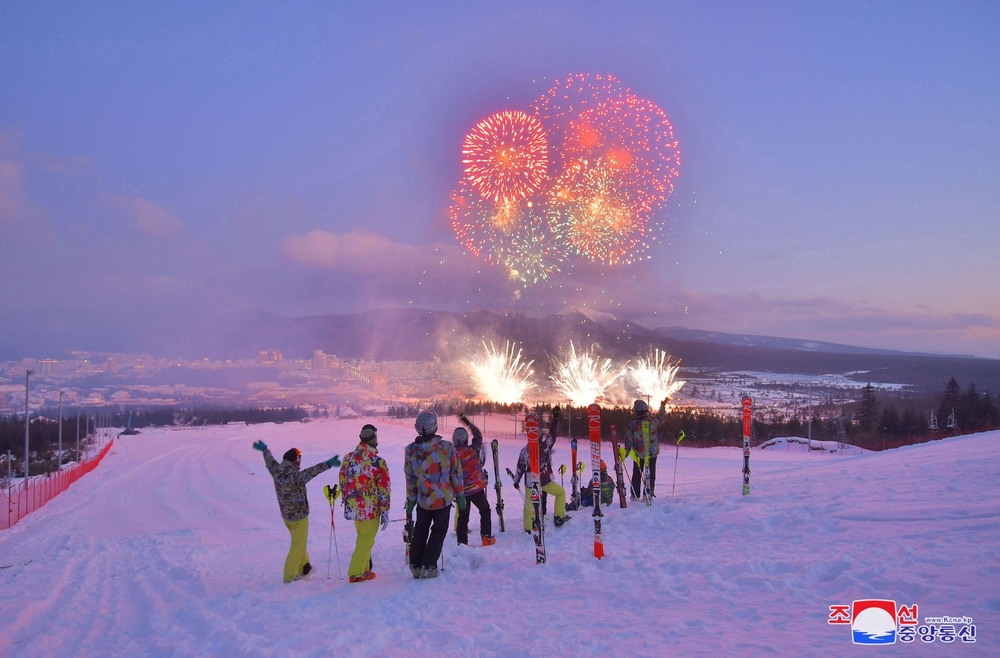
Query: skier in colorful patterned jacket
{"type": "Point", "coordinates": [635, 444]}
{"type": "Point", "coordinates": [473, 461]}
{"type": "Point", "coordinates": [433, 482]}
{"type": "Point", "coordinates": [290, 486]}
{"type": "Point", "coordinates": [364, 484]}
{"type": "Point", "coordinates": [546, 442]}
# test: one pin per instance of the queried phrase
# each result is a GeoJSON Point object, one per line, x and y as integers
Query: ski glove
{"type": "Point", "coordinates": [555, 413]}
{"type": "Point", "coordinates": [465, 420]}
{"type": "Point", "coordinates": [385, 521]}
{"type": "Point", "coordinates": [333, 461]}
{"type": "Point", "coordinates": [410, 504]}
{"type": "Point", "coordinates": [461, 501]}
{"type": "Point", "coordinates": [260, 445]}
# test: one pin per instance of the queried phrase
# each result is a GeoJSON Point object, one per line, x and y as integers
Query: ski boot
{"type": "Point", "coordinates": [489, 541]}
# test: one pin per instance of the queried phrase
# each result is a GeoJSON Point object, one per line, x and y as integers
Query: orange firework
{"type": "Point", "coordinates": [506, 156]}
{"type": "Point", "coordinates": [616, 158]}
{"type": "Point", "coordinates": [598, 215]}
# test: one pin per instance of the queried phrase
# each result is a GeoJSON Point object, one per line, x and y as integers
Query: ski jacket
{"type": "Point", "coordinates": [290, 485]}
{"type": "Point", "coordinates": [473, 463]}
{"type": "Point", "coordinates": [544, 463]}
{"type": "Point", "coordinates": [364, 484]}
{"type": "Point", "coordinates": [546, 442]}
{"type": "Point", "coordinates": [523, 469]}
{"type": "Point", "coordinates": [433, 472]}
{"type": "Point", "coordinates": [607, 491]}
{"type": "Point", "coordinates": [634, 439]}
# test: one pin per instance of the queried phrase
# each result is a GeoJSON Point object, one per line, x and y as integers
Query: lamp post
{"type": "Point", "coordinates": [78, 435]}
{"type": "Point", "coordinates": [27, 375]}
{"type": "Point", "coordinates": [60, 432]}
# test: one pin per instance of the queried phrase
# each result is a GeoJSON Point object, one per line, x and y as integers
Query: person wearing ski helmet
{"type": "Point", "coordinates": [635, 444]}
{"type": "Point", "coordinates": [473, 461]}
{"type": "Point", "coordinates": [364, 483]}
{"type": "Point", "coordinates": [433, 482]}
{"type": "Point", "coordinates": [545, 444]}
{"type": "Point", "coordinates": [290, 485]}
{"type": "Point", "coordinates": [607, 489]}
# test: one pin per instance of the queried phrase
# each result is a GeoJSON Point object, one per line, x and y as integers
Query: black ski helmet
{"type": "Point", "coordinates": [460, 436]}
{"type": "Point", "coordinates": [293, 455]}
{"type": "Point", "coordinates": [369, 435]}
{"type": "Point", "coordinates": [640, 408]}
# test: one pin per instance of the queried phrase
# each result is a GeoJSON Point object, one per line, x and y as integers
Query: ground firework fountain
{"type": "Point", "coordinates": [653, 376]}
{"type": "Point", "coordinates": [501, 375]}
{"type": "Point", "coordinates": [583, 377]}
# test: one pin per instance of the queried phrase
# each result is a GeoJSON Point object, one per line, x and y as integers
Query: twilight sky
{"type": "Point", "coordinates": [176, 166]}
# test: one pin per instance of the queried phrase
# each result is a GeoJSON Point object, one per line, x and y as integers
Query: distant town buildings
{"type": "Point", "coordinates": [269, 357]}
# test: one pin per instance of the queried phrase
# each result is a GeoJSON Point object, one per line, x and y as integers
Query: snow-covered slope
{"type": "Point", "coordinates": [174, 546]}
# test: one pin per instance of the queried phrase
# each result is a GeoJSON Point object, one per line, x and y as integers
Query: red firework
{"type": "Point", "coordinates": [506, 156]}
{"type": "Point", "coordinates": [596, 121]}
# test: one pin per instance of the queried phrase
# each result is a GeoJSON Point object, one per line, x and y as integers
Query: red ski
{"type": "Point", "coordinates": [594, 424]}
{"type": "Point", "coordinates": [537, 524]}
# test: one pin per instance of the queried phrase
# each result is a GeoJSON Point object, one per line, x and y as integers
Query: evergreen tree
{"type": "Point", "coordinates": [951, 400]}
{"type": "Point", "coordinates": [868, 408]}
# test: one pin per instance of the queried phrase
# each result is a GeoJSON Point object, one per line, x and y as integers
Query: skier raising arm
{"type": "Point", "coordinates": [548, 485]}
{"type": "Point", "coordinates": [636, 445]}
{"type": "Point", "coordinates": [364, 481]}
{"type": "Point", "coordinates": [473, 464]}
{"type": "Point", "coordinates": [433, 482]}
{"type": "Point", "coordinates": [290, 486]}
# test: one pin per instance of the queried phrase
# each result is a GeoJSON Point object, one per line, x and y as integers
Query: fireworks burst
{"type": "Point", "coordinates": [500, 375]}
{"type": "Point", "coordinates": [613, 156]}
{"type": "Point", "coordinates": [654, 376]}
{"type": "Point", "coordinates": [583, 377]}
{"type": "Point", "coordinates": [598, 217]}
{"type": "Point", "coordinates": [594, 119]}
{"type": "Point", "coordinates": [506, 156]}
{"type": "Point", "coordinates": [535, 252]}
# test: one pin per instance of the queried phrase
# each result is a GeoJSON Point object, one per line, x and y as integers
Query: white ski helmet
{"type": "Point", "coordinates": [460, 436]}
{"type": "Point", "coordinates": [427, 423]}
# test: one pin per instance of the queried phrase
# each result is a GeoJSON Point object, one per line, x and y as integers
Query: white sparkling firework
{"type": "Point", "coordinates": [654, 377]}
{"type": "Point", "coordinates": [500, 375]}
{"type": "Point", "coordinates": [583, 377]}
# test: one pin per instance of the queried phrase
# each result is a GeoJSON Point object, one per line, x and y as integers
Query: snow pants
{"type": "Point", "coordinates": [361, 559]}
{"type": "Point", "coordinates": [637, 477]}
{"type": "Point", "coordinates": [550, 488]}
{"type": "Point", "coordinates": [425, 550]}
{"type": "Point", "coordinates": [297, 555]}
{"type": "Point", "coordinates": [482, 503]}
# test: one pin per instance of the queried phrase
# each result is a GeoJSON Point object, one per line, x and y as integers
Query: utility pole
{"type": "Point", "coordinates": [810, 414]}
{"type": "Point", "coordinates": [59, 469]}
{"type": "Point", "coordinates": [78, 435]}
{"type": "Point", "coordinates": [27, 375]}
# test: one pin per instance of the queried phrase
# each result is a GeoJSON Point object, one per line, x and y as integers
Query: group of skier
{"type": "Point", "coordinates": [439, 474]}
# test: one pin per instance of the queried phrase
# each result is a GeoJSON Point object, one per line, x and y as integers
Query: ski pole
{"type": "Point", "coordinates": [516, 488]}
{"type": "Point", "coordinates": [677, 454]}
{"type": "Point", "coordinates": [331, 494]}
{"type": "Point", "coordinates": [562, 475]}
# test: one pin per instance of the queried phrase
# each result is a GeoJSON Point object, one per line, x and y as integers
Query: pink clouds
{"type": "Point", "coordinates": [368, 253]}
{"type": "Point", "coordinates": [150, 218]}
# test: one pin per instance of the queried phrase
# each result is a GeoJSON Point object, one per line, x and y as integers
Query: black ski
{"type": "Point", "coordinates": [495, 446]}
{"type": "Point", "coordinates": [619, 467]}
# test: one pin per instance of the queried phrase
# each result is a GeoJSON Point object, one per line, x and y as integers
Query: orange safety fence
{"type": "Point", "coordinates": [25, 497]}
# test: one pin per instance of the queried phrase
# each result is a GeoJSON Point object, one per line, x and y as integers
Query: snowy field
{"type": "Point", "coordinates": [174, 546]}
